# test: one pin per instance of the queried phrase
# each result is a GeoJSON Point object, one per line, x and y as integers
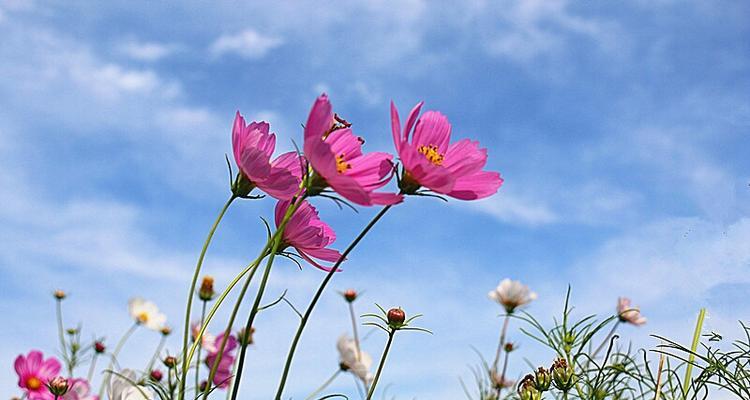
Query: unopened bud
{"type": "Point", "coordinates": [509, 347]}
{"type": "Point", "coordinates": [99, 347]}
{"type": "Point", "coordinates": [543, 379]}
{"type": "Point", "coordinates": [203, 385]}
{"type": "Point", "coordinates": [396, 317]}
{"type": "Point", "coordinates": [170, 362]}
{"type": "Point", "coordinates": [206, 292]}
{"type": "Point", "coordinates": [244, 337]}
{"type": "Point", "coordinates": [59, 294]}
{"type": "Point", "coordinates": [563, 375]}
{"type": "Point", "coordinates": [527, 389]}
{"type": "Point", "coordinates": [71, 331]}
{"type": "Point", "coordinates": [165, 330]}
{"type": "Point", "coordinates": [156, 375]}
{"type": "Point", "coordinates": [350, 295]}
{"type": "Point", "coordinates": [58, 386]}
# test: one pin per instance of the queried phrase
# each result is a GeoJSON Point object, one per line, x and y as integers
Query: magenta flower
{"type": "Point", "coordinates": [307, 234]}
{"type": "Point", "coordinates": [34, 373]}
{"type": "Point", "coordinates": [253, 147]}
{"type": "Point", "coordinates": [335, 154]}
{"type": "Point", "coordinates": [223, 375]}
{"type": "Point", "coordinates": [430, 160]}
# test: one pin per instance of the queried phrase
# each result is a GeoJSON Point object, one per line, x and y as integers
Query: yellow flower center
{"type": "Point", "coordinates": [142, 317]}
{"type": "Point", "coordinates": [432, 154]}
{"type": "Point", "coordinates": [33, 383]}
{"type": "Point", "coordinates": [341, 165]}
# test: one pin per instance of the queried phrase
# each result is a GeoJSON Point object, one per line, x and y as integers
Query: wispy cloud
{"type": "Point", "coordinates": [145, 51]}
{"type": "Point", "coordinates": [248, 44]}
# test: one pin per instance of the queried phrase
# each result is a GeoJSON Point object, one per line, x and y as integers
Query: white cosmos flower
{"type": "Point", "coordinates": [359, 366]}
{"type": "Point", "coordinates": [146, 313]}
{"type": "Point", "coordinates": [123, 387]}
{"type": "Point", "coordinates": [629, 313]}
{"type": "Point", "coordinates": [512, 294]}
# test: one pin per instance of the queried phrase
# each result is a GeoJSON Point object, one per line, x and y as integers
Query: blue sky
{"type": "Point", "coordinates": [622, 131]}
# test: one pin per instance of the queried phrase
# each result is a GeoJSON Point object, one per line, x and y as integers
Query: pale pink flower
{"type": "Point", "coordinates": [34, 373]}
{"type": "Point", "coordinates": [430, 160]}
{"type": "Point", "coordinates": [307, 234]}
{"type": "Point", "coordinates": [512, 294]}
{"type": "Point", "coordinates": [629, 313]}
{"type": "Point", "coordinates": [354, 360]}
{"type": "Point", "coordinates": [253, 147]}
{"type": "Point", "coordinates": [337, 159]}
{"type": "Point", "coordinates": [223, 375]}
{"type": "Point", "coordinates": [79, 389]}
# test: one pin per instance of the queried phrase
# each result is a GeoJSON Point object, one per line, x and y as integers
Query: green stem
{"type": "Point", "coordinates": [693, 349]}
{"type": "Point", "coordinates": [316, 297]}
{"type": "Point", "coordinates": [324, 385]}
{"type": "Point", "coordinates": [354, 330]}
{"type": "Point", "coordinates": [501, 386]}
{"type": "Point", "coordinates": [234, 372]}
{"type": "Point", "coordinates": [113, 356]}
{"type": "Point", "coordinates": [159, 347]}
{"type": "Point", "coordinates": [200, 346]}
{"type": "Point", "coordinates": [60, 331]}
{"type": "Point", "coordinates": [500, 345]}
{"type": "Point", "coordinates": [276, 240]}
{"type": "Point", "coordinates": [382, 364]}
{"type": "Point", "coordinates": [227, 334]}
{"type": "Point", "coordinates": [92, 368]}
{"type": "Point", "coordinates": [191, 293]}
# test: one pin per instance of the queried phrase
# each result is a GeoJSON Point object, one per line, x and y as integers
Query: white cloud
{"type": "Point", "coordinates": [510, 208]}
{"type": "Point", "coordinates": [247, 44]}
{"type": "Point", "coordinates": [145, 51]}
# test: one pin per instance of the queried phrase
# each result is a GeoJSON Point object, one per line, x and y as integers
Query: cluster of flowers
{"type": "Point", "coordinates": [332, 165]}
{"type": "Point", "coordinates": [513, 296]}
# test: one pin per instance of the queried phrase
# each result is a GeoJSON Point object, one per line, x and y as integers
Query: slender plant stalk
{"type": "Point", "coordinates": [60, 331]}
{"type": "Point", "coordinates": [501, 386]}
{"type": "Point", "coordinates": [234, 372]}
{"type": "Point", "coordinates": [92, 367]}
{"type": "Point", "coordinates": [324, 385]}
{"type": "Point", "coordinates": [316, 297]}
{"type": "Point", "coordinates": [218, 303]}
{"type": "Point", "coordinates": [606, 339]}
{"type": "Point", "coordinates": [657, 389]}
{"type": "Point", "coordinates": [191, 293]}
{"type": "Point", "coordinates": [276, 239]}
{"type": "Point", "coordinates": [198, 354]}
{"type": "Point", "coordinates": [693, 349]}
{"type": "Point", "coordinates": [382, 364]}
{"type": "Point", "coordinates": [113, 356]}
{"type": "Point", "coordinates": [225, 339]}
{"type": "Point", "coordinates": [500, 345]}
{"type": "Point", "coordinates": [159, 347]}
{"type": "Point", "coordinates": [354, 330]}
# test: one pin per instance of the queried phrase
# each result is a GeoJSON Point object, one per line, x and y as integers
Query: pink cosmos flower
{"type": "Point", "coordinates": [629, 313]}
{"type": "Point", "coordinates": [253, 147]}
{"type": "Point", "coordinates": [34, 373]}
{"type": "Point", "coordinates": [79, 389]}
{"type": "Point", "coordinates": [307, 234]}
{"type": "Point", "coordinates": [223, 375]}
{"type": "Point", "coordinates": [430, 160]}
{"type": "Point", "coordinates": [335, 154]}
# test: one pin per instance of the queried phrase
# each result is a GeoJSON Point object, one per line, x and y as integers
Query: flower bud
{"type": "Point", "coordinates": [543, 379]}
{"type": "Point", "coordinates": [74, 347]}
{"type": "Point", "coordinates": [396, 317]}
{"type": "Point", "coordinates": [71, 331]}
{"type": "Point", "coordinates": [350, 295]}
{"type": "Point", "coordinates": [58, 386]}
{"type": "Point", "coordinates": [99, 347]}
{"type": "Point", "coordinates": [170, 362]}
{"type": "Point", "coordinates": [206, 292]}
{"type": "Point", "coordinates": [203, 385]}
{"type": "Point", "coordinates": [245, 338]}
{"type": "Point", "coordinates": [59, 294]}
{"type": "Point", "coordinates": [509, 347]}
{"type": "Point", "coordinates": [527, 389]}
{"type": "Point", "coordinates": [563, 375]}
{"type": "Point", "coordinates": [165, 330]}
{"type": "Point", "coordinates": [156, 375]}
